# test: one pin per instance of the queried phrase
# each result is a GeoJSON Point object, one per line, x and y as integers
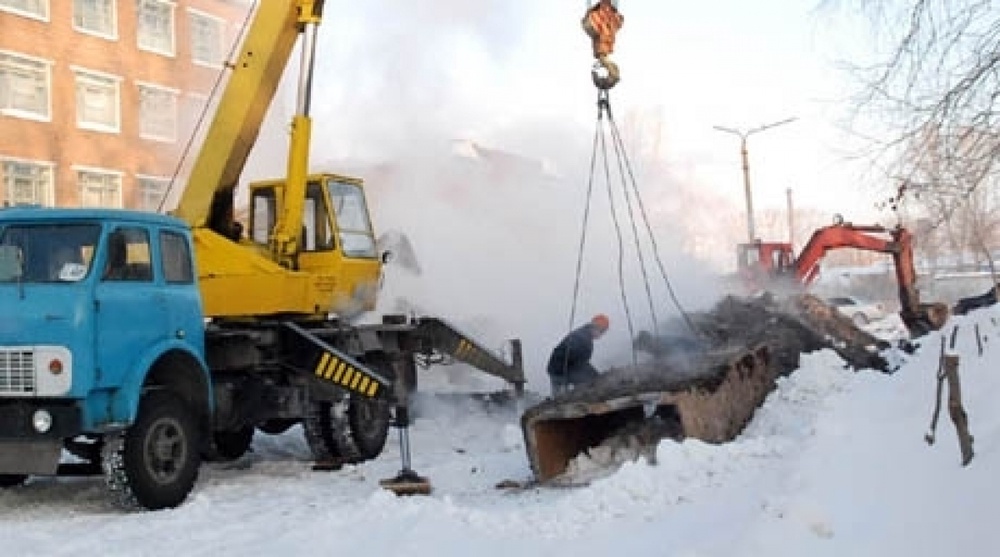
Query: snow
{"type": "Point", "coordinates": [834, 463]}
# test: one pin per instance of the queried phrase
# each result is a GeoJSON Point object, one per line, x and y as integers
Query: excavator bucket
{"type": "Point", "coordinates": [711, 400]}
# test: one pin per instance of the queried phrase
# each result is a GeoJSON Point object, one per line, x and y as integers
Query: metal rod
{"type": "Point", "coordinates": [304, 100]}
{"type": "Point", "coordinates": [745, 159]}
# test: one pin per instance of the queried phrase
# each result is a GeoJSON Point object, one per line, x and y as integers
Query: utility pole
{"type": "Point", "coordinates": [743, 135]}
{"type": "Point", "coordinates": [791, 218]}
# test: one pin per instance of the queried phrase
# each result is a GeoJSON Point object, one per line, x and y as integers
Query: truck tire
{"type": "Point", "coordinates": [154, 465]}
{"type": "Point", "coordinates": [12, 480]}
{"type": "Point", "coordinates": [323, 425]}
{"type": "Point", "coordinates": [369, 420]}
{"type": "Point", "coordinates": [230, 445]}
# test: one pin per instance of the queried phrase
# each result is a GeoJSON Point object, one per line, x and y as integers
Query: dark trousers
{"type": "Point", "coordinates": [574, 376]}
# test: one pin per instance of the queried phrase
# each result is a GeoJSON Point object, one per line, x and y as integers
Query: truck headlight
{"type": "Point", "coordinates": [41, 420]}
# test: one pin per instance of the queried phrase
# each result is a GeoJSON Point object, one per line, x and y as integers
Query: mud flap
{"type": "Point", "coordinates": [330, 367]}
{"type": "Point", "coordinates": [438, 335]}
{"type": "Point", "coordinates": [712, 401]}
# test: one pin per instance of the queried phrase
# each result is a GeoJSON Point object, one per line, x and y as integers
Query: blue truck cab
{"type": "Point", "coordinates": [102, 349]}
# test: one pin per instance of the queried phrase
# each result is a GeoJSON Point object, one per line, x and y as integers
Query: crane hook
{"type": "Point", "coordinates": [601, 22]}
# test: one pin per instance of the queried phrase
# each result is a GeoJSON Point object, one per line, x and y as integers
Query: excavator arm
{"type": "Point", "coordinates": [897, 242]}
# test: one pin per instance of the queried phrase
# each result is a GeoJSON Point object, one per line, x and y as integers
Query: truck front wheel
{"type": "Point", "coordinates": [155, 464]}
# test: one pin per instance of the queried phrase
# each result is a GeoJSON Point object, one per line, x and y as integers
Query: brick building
{"type": "Point", "coordinates": [98, 97]}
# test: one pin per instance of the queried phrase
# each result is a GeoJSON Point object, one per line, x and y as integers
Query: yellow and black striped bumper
{"type": "Point", "coordinates": [344, 374]}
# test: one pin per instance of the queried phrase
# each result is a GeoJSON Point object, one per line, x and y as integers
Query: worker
{"type": "Point", "coordinates": [601, 22]}
{"type": "Point", "coordinates": [569, 364]}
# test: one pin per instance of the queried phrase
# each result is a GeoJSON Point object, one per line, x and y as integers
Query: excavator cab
{"type": "Point", "coordinates": [759, 264]}
{"type": "Point", "coordinates": [336, 243]}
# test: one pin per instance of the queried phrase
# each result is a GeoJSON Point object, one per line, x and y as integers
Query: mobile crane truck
{"type": "Point", "coordinates": [143, 343]}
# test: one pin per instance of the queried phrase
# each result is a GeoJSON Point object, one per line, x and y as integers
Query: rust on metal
{"type": "Point", "coordinates": [712, 404]}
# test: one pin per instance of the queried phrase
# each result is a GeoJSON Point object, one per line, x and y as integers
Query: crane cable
{"type": "Point", "coordinates": [203, 114]}
{"type": "Point", "coordinates": [624, 166]}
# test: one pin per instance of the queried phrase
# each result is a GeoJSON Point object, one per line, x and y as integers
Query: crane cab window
{"type": "Point", "coordinates": [263, 215]}
{"type": "Point", "coordinates": [354, 229]}
{"type": "Point", "coordinates": [317, 234]}
{"type": "Point", "coordinates": [128, 256]}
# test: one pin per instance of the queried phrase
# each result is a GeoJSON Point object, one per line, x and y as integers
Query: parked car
{"type": "Point", "coordinates": [860, 311]}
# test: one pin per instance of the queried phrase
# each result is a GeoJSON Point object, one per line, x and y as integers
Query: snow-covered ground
{"type": "Point", "coordinates": [834, 463]}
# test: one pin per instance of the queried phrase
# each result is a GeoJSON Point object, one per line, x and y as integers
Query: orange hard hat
{"type": "Point", "coordinates": [601, 321]}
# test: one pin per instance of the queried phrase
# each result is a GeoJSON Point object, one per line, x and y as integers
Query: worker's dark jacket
{"type": "Point", "coordinates": [570, 360]}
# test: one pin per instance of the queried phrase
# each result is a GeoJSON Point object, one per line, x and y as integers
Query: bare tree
{"type": "Point", "coordinates": [936, 94]}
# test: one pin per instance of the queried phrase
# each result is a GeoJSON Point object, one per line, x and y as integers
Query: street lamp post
{"type": "Point", "coordinates": [743, 135]}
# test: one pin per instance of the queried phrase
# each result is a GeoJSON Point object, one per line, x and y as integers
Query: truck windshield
{"type": "Point", "coordinates": [353, 227]}
{"type": "Point", "coordinates": [50, 252]}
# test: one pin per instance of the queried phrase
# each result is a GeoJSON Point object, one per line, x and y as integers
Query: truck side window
{"type": "Point", "coordinates": [128, 256]}
{"type": "Point", "coordinates": [176, 258]}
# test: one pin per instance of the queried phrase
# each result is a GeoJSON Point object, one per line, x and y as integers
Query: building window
{"type": "Point", "coordinates": [151, 191]}
{"type": "Point", "coordinates": [157, 113]}
{"type": "Point", "coordinates": [26, 182]}
{"type": "Point", "coordinates": [156, 26]}
{"type": "Point", "coordinates": [97, 101]}
{"type": "Point", "coordinates": [96, 17]}
{"type": "Point", "coordinates": [206, 39]}
{"type": "Point", "coordinates": [99, 188]}
{"type": "Point", "coordinates": [31, 8]}
{"type": "Point", "coordinates": [24, 86]}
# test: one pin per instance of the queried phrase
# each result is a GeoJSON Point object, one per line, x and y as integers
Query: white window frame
{"type": "Point", "coordinates": [46, 67]}
{"type": "Point", "coordinates": [172, 9]}
{"type": "Point", "coordinates": [84, 76]}
{"type": "Point", "coordinates": [140, 193]}
{"type": "Point", "coordinates": [43, 4]}
{"type": "Point", "coordinates": [46, 189]}
{"type": "Point", "coordinates": [116, 175]}
{"type": "Point", "coordinates": [169, 136]}
{"type": "Point", "coordinates": [112, 34]}
{"type": "Point", "coordinates": [220, 38]}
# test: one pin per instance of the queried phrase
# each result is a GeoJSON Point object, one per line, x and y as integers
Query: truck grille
{"type": "Point", "coordinates": [17, 371]}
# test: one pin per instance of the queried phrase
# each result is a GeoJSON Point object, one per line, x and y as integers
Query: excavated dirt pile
{"type": "Point", "coordinates": [704, 377]}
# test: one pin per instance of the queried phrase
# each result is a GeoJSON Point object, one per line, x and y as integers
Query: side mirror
{"type": "Point", "coordinates": [387, 256]}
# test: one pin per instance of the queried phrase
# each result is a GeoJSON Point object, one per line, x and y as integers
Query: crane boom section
{"type": "Point", "coordinates": [252, 83]}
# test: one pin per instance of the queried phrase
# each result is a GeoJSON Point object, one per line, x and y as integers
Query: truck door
{"type": "Point", "coordinates": [130, 306]}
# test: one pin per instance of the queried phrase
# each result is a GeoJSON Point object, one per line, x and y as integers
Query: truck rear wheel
{"type": "Point", "coordinates": [369, 420]}
{"type": "Point", "coordinates": [155, 464]}
{"type": "Point", "coordinates": [324, 425]}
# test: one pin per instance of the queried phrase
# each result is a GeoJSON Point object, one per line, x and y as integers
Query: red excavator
{"type": "Point", "coordinates": [764, 265]}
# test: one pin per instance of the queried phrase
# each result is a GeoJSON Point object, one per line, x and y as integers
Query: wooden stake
{"type": "Point", "coordinates": [929, 436]}
{"type": "Point", "coordinates": [958, 415]}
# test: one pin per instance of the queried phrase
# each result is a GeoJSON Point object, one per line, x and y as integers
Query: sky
{"type": "Point", "coordinates": [833, 463]}
{"type": "Point", "coordinates": [503, 71]}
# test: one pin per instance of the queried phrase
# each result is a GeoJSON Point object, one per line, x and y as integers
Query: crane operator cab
{"type": "Point", "coordinates": [336, 241]}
